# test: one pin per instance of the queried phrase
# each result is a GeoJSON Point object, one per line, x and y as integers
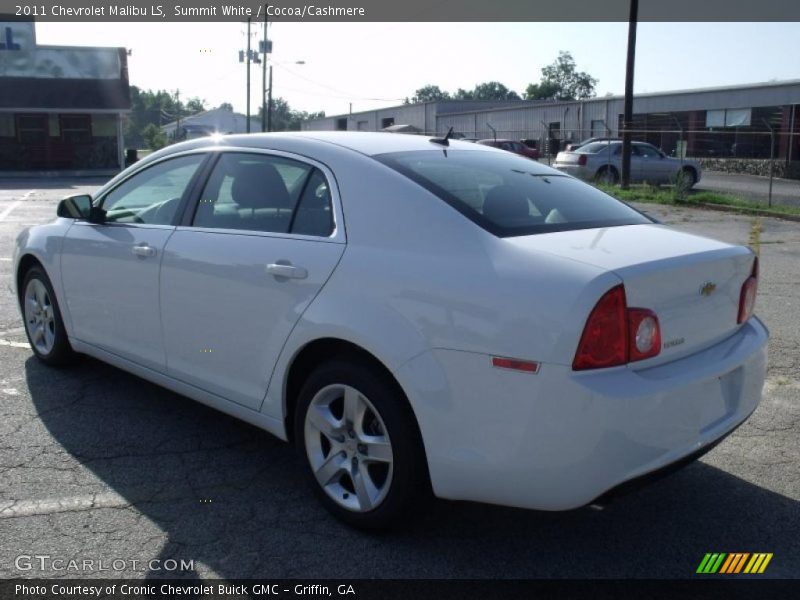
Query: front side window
{"type": "Point", "coordinates": [647, 151]}
{"type": "Point", "coordinates": [256, 192]}
{"type": "Point", "coordinates": [509, 195]}
{"type": "Point", "coordinates": [152, 196]}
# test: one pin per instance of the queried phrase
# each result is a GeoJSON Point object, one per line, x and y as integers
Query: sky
{"type": "Point", "coordinates": [374, 65]}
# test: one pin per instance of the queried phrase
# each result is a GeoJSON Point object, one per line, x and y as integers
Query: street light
{"type": "Point", "coordinates": [269, 98]}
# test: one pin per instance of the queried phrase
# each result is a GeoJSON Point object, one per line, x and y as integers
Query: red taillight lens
{"type": "Point", "coordinates": [747, 297]}
{"type": "Point", "coordinates": [615, 334]}
{"type": "Point", "coordinates": [582, 160]}
{"type": "Point", "coordinates": [604, 342]}
{"type": "Point", "coordinates": [645, 334]}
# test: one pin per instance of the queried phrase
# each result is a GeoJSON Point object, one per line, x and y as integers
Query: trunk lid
{"type": "Point", "coordinates": [692, 283]}
{"type": "Point", "coordinates": [567, 158]}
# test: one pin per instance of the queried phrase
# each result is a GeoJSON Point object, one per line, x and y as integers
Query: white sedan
{"type": "Point", "coordinates": [415, 314]}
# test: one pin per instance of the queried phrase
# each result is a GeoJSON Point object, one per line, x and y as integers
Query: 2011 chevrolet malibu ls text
{"type": "Point", "coordinates": [413, 313]}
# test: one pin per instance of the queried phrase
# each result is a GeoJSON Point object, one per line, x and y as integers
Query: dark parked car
{"type": "Point", "coordinates": [512, 146]}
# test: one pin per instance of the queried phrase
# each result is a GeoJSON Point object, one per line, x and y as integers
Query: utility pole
{"type": "Point", "coordinates": [627, 119]}
{"type": "Point", "coordinates": [269, 102]}
{"type": "Point", "coordinates": [264, 77]}
{"type": "Point", "coordinates": [178, 112]}
{"type": "Point", "coordinates": [249, 52]}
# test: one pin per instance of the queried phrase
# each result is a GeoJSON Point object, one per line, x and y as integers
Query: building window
{"type": "Point", "coordinates": [341, 124]}
{"type": "Point", "coordinates": [75, 129]}
{"type": "Point", "coordinates": [32, 129]}
{"type": "Point", "coordinates": [739, 117]}
{"type": "Point", "coordinates": [387, 122]}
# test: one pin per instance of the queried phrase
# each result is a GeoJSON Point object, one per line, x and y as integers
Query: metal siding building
{"type": "Point", "coordinates": [696, 120]}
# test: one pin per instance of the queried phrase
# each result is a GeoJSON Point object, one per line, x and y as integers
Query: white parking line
{"type": "Point", "coordinates": [11, 509]}
{"type": "Point", "coordinates": [8, 209]}
{"type": "Point", "coordinates": [15, 344]}
{"type": "Point", "coordinates": [5, 259]}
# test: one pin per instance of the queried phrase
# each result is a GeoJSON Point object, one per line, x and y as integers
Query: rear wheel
{"type": "Point", "coordinates": [687, 177]}
{"type": "Point", "coordinates": [607, 175]}
{"type": "Point", "coordinates": [43, 323]}
{"type": "Point", "coordinates": [360, 444]}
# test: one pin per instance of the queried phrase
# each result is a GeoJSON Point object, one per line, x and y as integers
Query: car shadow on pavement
{"type": "Point", "coordinates": [233, 498]}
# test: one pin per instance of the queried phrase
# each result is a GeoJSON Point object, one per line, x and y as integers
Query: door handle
{"type": "Point", "coordinates": [288, 271]}
{"type": "Point", "coordinates": [143, 250]}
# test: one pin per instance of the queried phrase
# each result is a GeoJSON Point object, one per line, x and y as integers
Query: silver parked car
{"type": "Point", "coordinates": [602, 160]}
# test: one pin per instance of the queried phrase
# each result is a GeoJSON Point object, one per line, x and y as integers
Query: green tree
{"type": "Point", "coordinates": [226, 106]}
{"type": "Point", "coordinates": [154, 137]}
{"type": "Point", "coordinates": [561, 81]}
{"type": "Point", "coordinates": [462, 94]}
{"type": "Point", "coordinates": [494, 90]}
{"type": "Point", "coordinates": [195, 105]}
{"type": "Point", "coordinates": [430, 93]}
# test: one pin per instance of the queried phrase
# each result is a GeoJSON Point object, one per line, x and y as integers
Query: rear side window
{"type": "Point", "coordinates": [272, 194]}
{"type": "Point", "coordinates": [508, 195]}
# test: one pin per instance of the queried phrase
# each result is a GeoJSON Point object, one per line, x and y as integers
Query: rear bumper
{"type": "Point", "coordinates": [559, 439]}
{"type": "Point", "coordinates": [574, 170]}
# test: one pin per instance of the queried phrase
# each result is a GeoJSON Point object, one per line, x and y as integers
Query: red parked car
{"type": "Point", "coordinates": [512, 146]}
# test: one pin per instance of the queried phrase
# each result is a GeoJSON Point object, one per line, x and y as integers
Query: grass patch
{"type": "Point", "coordinates": [666, 195]}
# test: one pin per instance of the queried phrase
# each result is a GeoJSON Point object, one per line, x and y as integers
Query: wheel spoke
{"type": "Point", "coordinates": [40, 292]}
{"type": "Point", "coordinates": [378, 450]}
{"type": "Point", "coordinates": [362, 483]}
{"type": "Point", "coordinates": [38, 334]}
{"type": "Point", "coordinates": [330, 468]}
{"type": "Point", "coordinates": [353, 407]}
{"type": "Point", "coordinates": [322, 418]}
{"type": "Point", "coordinates": [49, 337]}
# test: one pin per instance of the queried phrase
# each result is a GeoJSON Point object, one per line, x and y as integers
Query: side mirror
{"type": "Point", "coordinates": [80, 207]}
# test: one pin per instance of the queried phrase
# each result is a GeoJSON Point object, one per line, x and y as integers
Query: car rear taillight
{"type": "Point", "coordinates": [747, 297]}
{"type": "Point", "coordinates": [615, 334]}
{"type": "Point", "coordinates": [645, 334]}
{"type": "Point", "coordinates": [582, 160]}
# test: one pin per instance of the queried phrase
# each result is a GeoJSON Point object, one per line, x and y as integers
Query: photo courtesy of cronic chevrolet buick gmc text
{"type": "Point", "coordinates": [416, 314]}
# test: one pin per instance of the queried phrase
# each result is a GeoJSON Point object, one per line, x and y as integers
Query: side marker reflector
{"type": "Point", "coordinates": [514, 364]}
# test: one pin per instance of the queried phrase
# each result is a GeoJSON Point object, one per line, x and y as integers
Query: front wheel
{"type": "Point", "coordinates": [360, 444]}
{"type": "Point", "coordinates": [43, 323]}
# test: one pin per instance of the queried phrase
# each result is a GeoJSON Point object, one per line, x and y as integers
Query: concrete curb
{"type": "Point", "coordinates": [744, 210]}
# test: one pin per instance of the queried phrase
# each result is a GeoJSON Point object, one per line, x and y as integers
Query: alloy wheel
{"type": "Point", "coordinates": [348, 448]}
{"type": "Point", "coordinates": [40, 316]}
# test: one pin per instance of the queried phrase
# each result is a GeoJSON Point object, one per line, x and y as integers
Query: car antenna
{"type": "Point", "coordinates": [445, 141]}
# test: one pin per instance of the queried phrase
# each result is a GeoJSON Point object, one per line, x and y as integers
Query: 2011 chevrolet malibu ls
{"type": "Point", "coordinates": [413, 313]}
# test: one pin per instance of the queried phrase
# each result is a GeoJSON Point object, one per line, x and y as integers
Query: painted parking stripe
{"type": "Point", "coordinates": [15, 344]}
{"type": "Point", "coordinates": [12, 509]}
{"type": "Point", "coordinates": [8, 209]}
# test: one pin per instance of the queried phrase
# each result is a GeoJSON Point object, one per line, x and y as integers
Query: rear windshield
{"type": "Point", "coordinates": [510, 195]}
{"type": "Point", "coordinates": [595, 147]}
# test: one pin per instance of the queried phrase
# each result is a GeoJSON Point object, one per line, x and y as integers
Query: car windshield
{"type": "Point", "coordinates": [509, 195]}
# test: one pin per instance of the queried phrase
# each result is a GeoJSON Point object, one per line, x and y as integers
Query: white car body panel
{"type": "Point", "coordinates": [225, 317]}
{"type": "Point", "coordinates": [433, 297]}
{"type": "Point", "coordinates": [104, 281]}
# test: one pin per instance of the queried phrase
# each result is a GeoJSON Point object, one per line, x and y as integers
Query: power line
{"type": "Point", "coordinates": [347, 95]}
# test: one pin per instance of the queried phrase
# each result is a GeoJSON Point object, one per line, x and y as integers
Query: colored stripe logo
{"type": "Point", "coordinates": [734, 563]}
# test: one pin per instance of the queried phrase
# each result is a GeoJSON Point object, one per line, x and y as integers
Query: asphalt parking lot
{"type": "Point", "coordinates": [97, 464]}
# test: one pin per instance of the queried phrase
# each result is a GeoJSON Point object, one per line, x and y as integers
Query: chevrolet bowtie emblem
{"type": "Point", "coordinates": [707, 288]}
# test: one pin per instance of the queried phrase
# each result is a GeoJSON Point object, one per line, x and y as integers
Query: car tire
{"type": "Point", "coordinates": [607, 175]}
{"type": "Point", "coordinates": [44, 325]}
{"type": "Point", "coordinates": [689, 177]}
{"type": "Point", "coordinates": [360, 444]}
